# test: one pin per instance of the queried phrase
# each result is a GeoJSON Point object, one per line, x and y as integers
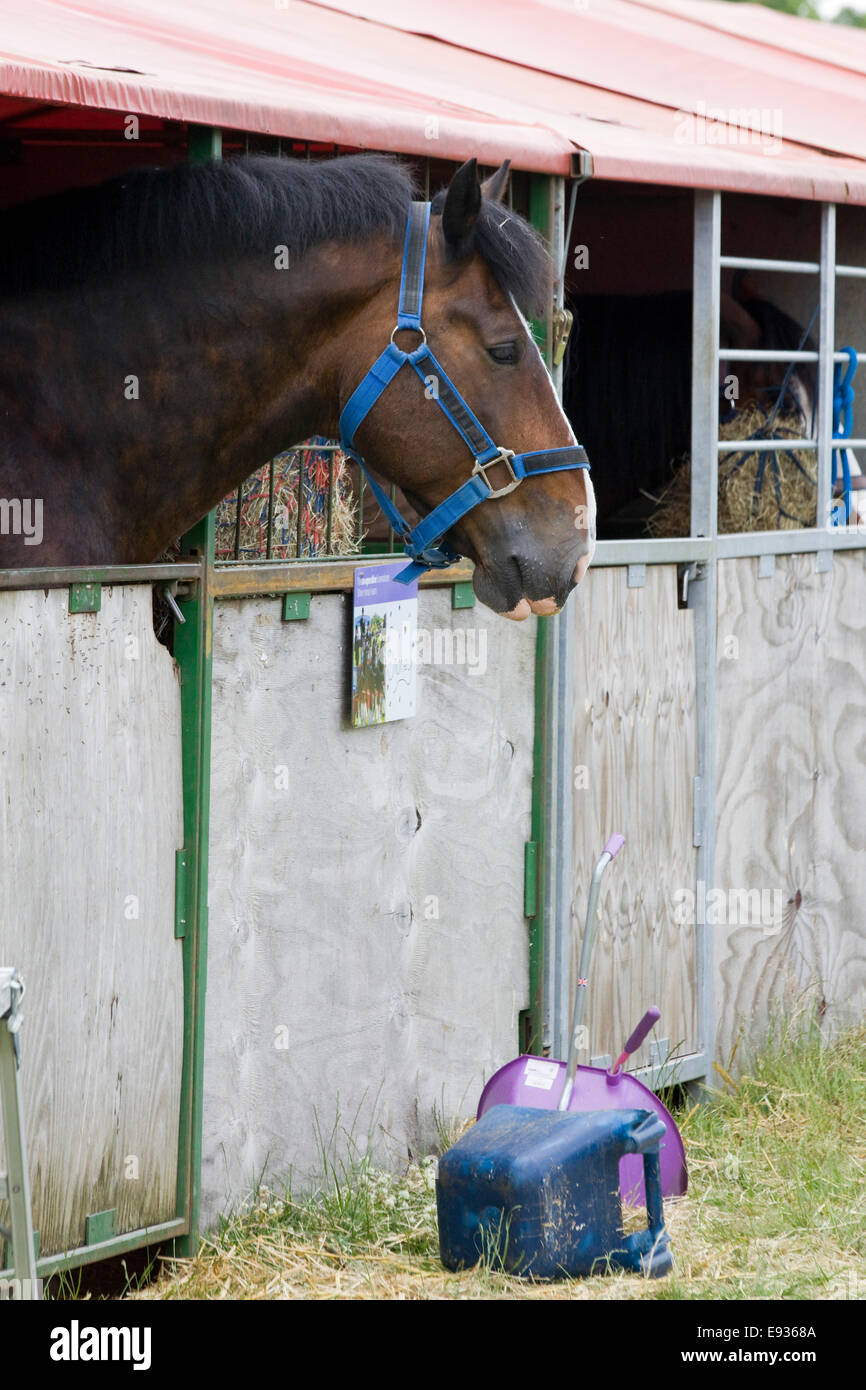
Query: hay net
{"type": "Point", "coordinates": [299, 505]}
{"type": "Point", "coordinates": [758, 490]}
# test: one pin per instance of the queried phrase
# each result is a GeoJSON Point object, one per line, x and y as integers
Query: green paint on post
{"type": "Point", "coordinates": [8, 1261]}
{"type": "Point", "coordinates": [100, 1226]}
{"type": "Point", "coordinates": [533, 1019]}
{"type": "Point", "coordinates": [296, 607]}
{"type": "Point", "coordinates": [85, 598]}
{"type": "Point", "coordinates": [193, 651]}
{"type": "Point", "coordinates": [203, 142]}
{"type": "Point", "coordinates": [463, 594]}
{"type": "Point", "coordinates": [530, 879]}
{"type": "Point", "coordinates": [540, 215]}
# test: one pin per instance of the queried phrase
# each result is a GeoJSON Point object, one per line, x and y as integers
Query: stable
{"type": "Point", "coordinates": [346, 967]}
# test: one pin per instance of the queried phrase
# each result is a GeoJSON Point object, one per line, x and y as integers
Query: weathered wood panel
{"type": "Point", "coordinates": [635, 760]}
{"type": "Point", "coordinates": [90, 819]}
{"type": "Point", "coordinates": [367, 951]}
{"type": "Point", "coordinates": [791, 800]}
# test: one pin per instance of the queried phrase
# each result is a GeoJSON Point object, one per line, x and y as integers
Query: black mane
{"type": "Point", "coordinates": [235, 207]}
{"type": "Point", "coordinates": [195, 212]}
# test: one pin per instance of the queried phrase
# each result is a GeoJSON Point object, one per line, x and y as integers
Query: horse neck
{"type": "Point", "coordinates": [170, 388]}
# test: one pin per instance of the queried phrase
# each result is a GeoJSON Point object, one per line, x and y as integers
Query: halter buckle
{"type": "Point", "coordinates": [503, 456]}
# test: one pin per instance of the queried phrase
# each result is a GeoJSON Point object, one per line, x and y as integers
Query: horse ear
{"type": "Point", "coordinates": [494, 187]}
{"type": "Point", "coordinates": [462, 206]}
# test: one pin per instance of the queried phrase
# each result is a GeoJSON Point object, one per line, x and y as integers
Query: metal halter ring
{"type": "Point", "coordinates": [504, 456]}
{"type": "Point", "coordinates": [409, 329]}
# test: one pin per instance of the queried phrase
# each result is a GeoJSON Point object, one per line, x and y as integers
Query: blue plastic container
{"type": "Point", "coordinates": [536, 1192]}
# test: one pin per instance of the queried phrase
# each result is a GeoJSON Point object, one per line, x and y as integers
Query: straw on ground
{"type": "Point", "coordinates": [776, 1208]}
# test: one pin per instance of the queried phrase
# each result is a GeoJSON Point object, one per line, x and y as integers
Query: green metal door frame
{"type": "Point", "coordinates": [193, 650]}
{"type": "Point", "coordinates": [193, 655]}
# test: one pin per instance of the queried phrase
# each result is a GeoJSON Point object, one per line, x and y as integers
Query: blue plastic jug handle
{"type": "Point", "coordinates": [646, 1136]}
{"type": "Point", "coordinates": [652, 1178]}
{"type": "Point", "coordinates": [647, 1133]}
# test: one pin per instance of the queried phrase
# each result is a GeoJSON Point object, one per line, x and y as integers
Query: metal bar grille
{"type": "Point", "coordinates": [823, 446]}
{"type": "Point", "coordinates": [270, 509]}
{"type": "Point", "coordinates": [309, 503]}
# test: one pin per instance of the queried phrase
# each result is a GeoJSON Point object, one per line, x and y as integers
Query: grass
{"type": "Point", "coordinates": [776, 1207]}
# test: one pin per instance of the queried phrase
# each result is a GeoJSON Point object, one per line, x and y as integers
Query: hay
{"type": "Point", "coordinates": [757, 491]}
{"type": "Point", "coordinates": [776, 1208]}
{"type": "Point", "coordinates": [329, 519]}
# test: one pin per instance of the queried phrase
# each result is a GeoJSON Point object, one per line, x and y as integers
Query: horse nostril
{"type": "Point", "coordinates": [584, 562]}
{"type": "Point", "coordinates": [581, 567]}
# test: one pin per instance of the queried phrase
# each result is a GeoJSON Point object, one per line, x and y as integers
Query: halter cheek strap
{"type": "Point", "coordinates": [423, 543]}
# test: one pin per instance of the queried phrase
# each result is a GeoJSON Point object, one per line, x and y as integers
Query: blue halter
{"type": "Point", "coordinates": [423, 543]}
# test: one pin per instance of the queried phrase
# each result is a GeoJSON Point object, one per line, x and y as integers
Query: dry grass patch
{"type": "Point", "coordinates": [776, 1209]}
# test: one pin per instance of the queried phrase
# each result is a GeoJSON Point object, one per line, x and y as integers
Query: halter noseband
{"type": "Point", "coordinates": [423, 543]}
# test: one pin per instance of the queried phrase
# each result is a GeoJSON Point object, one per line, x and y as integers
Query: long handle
{"type": "Point", "coordinates": [610, 851]}
{"type": "Point", "coordinates": [650, 1018]}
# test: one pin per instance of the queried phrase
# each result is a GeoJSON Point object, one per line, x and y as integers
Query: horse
{"type": "Point", "coordinates": [165, 332]}
{"type": "Point", "coordinates": [633, 352]}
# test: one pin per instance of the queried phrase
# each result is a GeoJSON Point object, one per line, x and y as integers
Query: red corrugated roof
{"type": "Point", "coordinates": [687, 92]}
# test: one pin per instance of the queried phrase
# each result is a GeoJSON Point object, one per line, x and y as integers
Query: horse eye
{"type": "Point", "coordinates": [504, 353]}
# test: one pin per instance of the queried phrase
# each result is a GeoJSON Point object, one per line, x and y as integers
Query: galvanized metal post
{"type": "Point", "coordinates": [826, 336]}
{"type": "Point", "coordinates": [702, 595]}
{"type": "Point", "coordinates": [561, 838]}
{"type": "Point", "coordinates": [552, 803]}
{"type": "Point", "coordinates": [15, 1183]}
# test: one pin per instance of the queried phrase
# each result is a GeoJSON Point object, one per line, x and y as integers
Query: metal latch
{"type": "Point", "coordinates": [169, 591]}
{"type": "Point", "coordinates": [561, 321]}
{"type": "Point", "coordinates": [689, 574]}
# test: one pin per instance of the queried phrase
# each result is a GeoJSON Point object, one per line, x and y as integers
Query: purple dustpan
{"type": "Point", "coordinates": [544, 1084]}
{"type": "Point", "coordinates": [538, 1082]}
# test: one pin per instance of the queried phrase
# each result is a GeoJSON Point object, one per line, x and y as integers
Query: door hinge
{"type": "Point", "coordinates": [562, 320]}
{"type": "Point", "coordinates": [296, 606]}
{"type": "Point", "coordinates": [85, 598]}
{"type": "Point", "coordinates": [100, 1226]}
{"type": "Point", "coordinates": [636, 576]}
{"type": "Point", "coordinates": [182, 861]}
{"type": "Point", "coordinates": [530, 878]}
{"type": "Point", "coordinates": [462, 594]}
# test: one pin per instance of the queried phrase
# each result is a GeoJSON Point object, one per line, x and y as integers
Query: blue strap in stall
{"type": "Point", "coordinates": [843, 424]}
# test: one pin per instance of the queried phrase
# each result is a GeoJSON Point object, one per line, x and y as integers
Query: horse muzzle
{"type": "Point", "coordinates": [519, 588]}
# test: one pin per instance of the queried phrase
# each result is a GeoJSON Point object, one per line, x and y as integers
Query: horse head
{"type": "Point", "coordinates": [485, 270]}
